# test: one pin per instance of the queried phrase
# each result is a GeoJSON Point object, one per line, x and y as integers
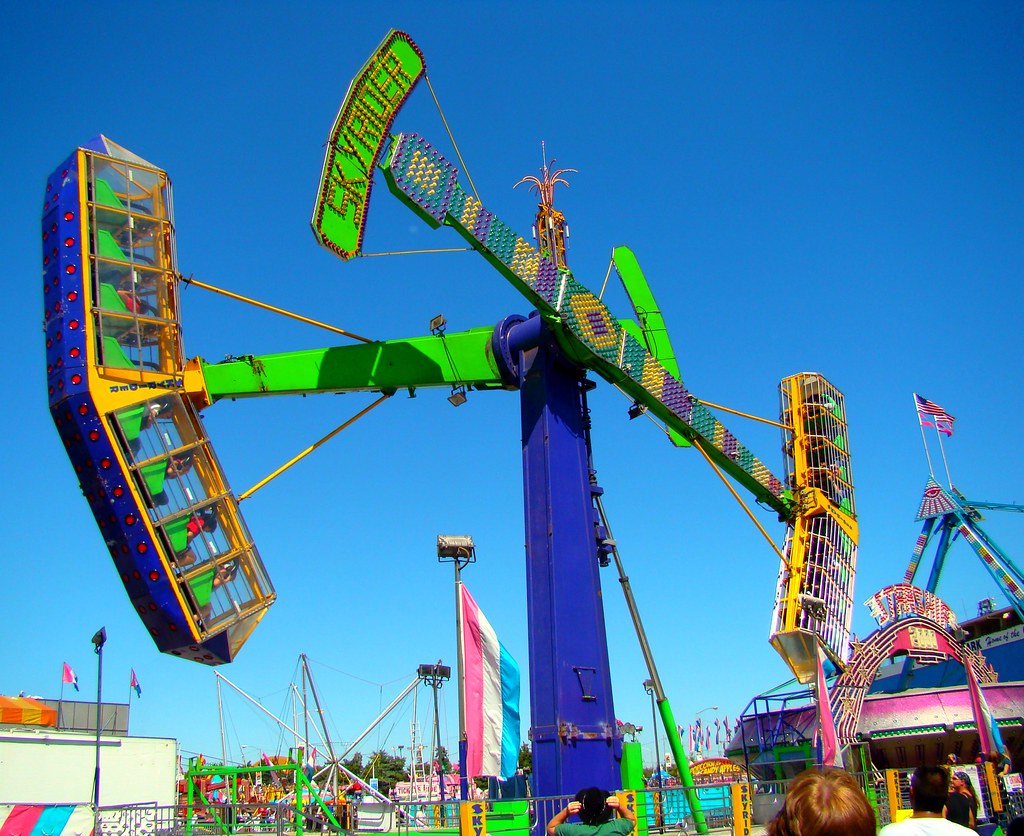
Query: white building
{"type": "Point", "coordinates": [40, 764]}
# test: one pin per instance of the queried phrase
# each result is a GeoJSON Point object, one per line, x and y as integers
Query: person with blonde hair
{"type": "Point", "coordinates": [824, 803]}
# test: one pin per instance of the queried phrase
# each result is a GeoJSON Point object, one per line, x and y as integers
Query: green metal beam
{"type": "Point", "coordinates": [653, 331]}
{"type": "Point", "coordinates": [445, 360]}
{"type": "Point", "coordinates": [646, 309]}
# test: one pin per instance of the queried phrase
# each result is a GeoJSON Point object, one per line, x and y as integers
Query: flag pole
{"type": "Point", "coordinates": [924, 440]}
{"type": "Point", "coordinates": [60, 699]}
{"type": "Point", "coordinates": [460, 662]}
{"type": "Point", "coordinates": [942, 450]}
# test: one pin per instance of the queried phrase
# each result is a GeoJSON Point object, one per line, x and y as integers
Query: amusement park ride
{"type": "Point", "coordinates": [127, 405]}
{"type": "Point", "coordinates": [948, 514]}
{"type": "Point", "coordinates": [923, 681]}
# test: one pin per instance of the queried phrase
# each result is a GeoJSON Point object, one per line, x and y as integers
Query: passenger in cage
{"type": "Point", "coordinates": [204, 520]}
{"type": "Point", "coordinates": [152, 412]}
{"type": "Point", "coordinates": [174, 466]}
{"type": "Point", "coordinates": [206, 582]}
{"type": "Point", "coordinates": [824, 803]}
{"type": "Point", "coordinates": [178, 464]}
{"type": "Point", "coordinates": [132, 301]}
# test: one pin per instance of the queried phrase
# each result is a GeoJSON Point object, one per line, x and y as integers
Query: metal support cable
{"type": "Point", "coordinates": [607, 274]}
{"type": "Point", "coordinates": [311, 448]}
{"type": "Point", "coordinates": [657, 690]}
{"type": "Point", "coordinates": [271, 308]}
{"type": "Point", "coordinates": [631, 605]}
{"type": "Point", "coordinates": [418, 252]}
{"type": "Point", "coordinates": [455, 145]}
{"type": "Point", "coordinates": [739, 499]}
{"type": "Point", "coordinates": [746, 415]}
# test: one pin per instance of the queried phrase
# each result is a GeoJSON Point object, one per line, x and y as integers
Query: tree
{"type": "Point", "coordinates": [387, 769]}
{"type": "Point", "coordinates": [354, 764]}
{"type": "Point", "coordinates": [525, 762]}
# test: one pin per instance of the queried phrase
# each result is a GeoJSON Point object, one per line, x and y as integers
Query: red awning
{"type": "Point", "coordinates": [25, 711]}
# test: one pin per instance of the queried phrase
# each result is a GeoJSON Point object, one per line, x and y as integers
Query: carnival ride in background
{"type": "Point", "coordinates": [127, 406]}
{"type": "Point", "coordinates": [923, 686]}
{"type": "Point", "coordinates": [948, 514]}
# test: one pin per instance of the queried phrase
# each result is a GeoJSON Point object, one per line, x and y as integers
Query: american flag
{"type": "Point", "coordinates": [940, 419]}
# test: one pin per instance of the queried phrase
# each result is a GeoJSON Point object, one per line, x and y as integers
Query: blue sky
{"type": "Point", "coordinates": [808, 186]}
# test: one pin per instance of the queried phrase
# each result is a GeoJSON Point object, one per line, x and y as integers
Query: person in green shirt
{"type": "Point", "coordinates": [595, 808]}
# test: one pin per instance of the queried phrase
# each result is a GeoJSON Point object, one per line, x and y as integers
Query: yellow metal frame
{"type": "Point", "coordinates": [118, 388]}
{"type": "Point", "coordinates": [815, 589]}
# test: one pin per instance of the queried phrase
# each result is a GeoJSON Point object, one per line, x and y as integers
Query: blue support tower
{"type": "Point", "coordinates": [573, 729]}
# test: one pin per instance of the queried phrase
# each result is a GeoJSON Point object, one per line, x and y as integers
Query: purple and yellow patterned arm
{"type": "Point", "coordinates": [423, 179]}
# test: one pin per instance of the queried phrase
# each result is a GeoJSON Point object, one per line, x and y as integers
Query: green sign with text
{"type": "Point", "coordinates": [360, 129]}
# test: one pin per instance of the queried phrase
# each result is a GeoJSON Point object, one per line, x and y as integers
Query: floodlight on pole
{"type": "Point", "coordinates": [434, 676]}
{"type": "Point", "coordinates": [458, 396]}
{"type": "Point", "coordinates": [459, 550]}
{"type": "Point", "coordinates": [459, 546]}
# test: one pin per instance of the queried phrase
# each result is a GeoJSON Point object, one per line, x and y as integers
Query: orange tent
{"type": "Point", "coordinates": [25, 711]}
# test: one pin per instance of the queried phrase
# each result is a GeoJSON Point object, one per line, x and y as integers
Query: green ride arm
{"type": "Point", "coordinates": [683, 763]}
{"type": "Point", "coordinates": [459, 359]}
{"type": "Point", "coordinates": [654, 332]}
{"type": "Point", "coordinates": [646, 309]}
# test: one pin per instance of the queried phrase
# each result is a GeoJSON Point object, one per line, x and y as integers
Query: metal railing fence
{"type": "Point", "coordinates": [659, 811]}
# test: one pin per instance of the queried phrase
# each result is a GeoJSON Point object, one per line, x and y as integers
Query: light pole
{"type": "Point", "coordinates": [459, 550]}
{"type": "Point", "coordinates": [98, 640]}
{"type": "Point", "coordinates": [434, 676]}
{"type": "Point", "coordinates": [697, 714]}
{"type": "Point", "coordinates": [650, 689]}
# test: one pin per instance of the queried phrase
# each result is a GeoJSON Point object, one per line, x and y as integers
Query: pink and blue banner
{"type": "Point", "coordinates": [491, 698]}
{"type": "Point", "coordinates": [830, 752]}
{"type": "Point", "coordinates": [988, 730]}
{"type": "Point", "coordinates": [45, 820]}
